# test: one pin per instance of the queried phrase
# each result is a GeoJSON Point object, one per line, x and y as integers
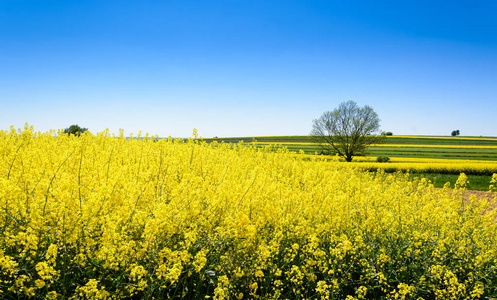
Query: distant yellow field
{"type": "Point", "coordinates": [408, 164]}
{"type": "Point", "coordinates": [389, 145]}
{"type": "Point", "coordinates": [444, 137]}
{"type": "Point", "coordinates": [441, 167]}
{"type": "Point", "coordinates": [405, 159]}
{"type": "Point", "coordinates": [392, 137]}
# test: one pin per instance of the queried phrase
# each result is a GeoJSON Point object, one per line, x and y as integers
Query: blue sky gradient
{"type": "Point", "coordinates": [247, 68]}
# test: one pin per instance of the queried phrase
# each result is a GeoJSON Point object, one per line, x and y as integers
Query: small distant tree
{"type": "Point", "coordinates": [388, 133]}
{"type": "Point", "coordinates": [455, 133]}
{"type": "Point", "coordinates": [347, 130]}
{"type": "Point", "coordinates": [75, 129]}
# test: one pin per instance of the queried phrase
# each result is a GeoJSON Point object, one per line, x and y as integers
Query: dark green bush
{"type": "Point", "coordinates": [383, 159]}
{"type": "Point", "coordinates": [75, 129]}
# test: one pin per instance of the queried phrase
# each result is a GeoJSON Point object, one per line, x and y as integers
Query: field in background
{"type": "Point", "coordinates": [440, 159]}
{"type": "Point", "coordinates": [467, 148]}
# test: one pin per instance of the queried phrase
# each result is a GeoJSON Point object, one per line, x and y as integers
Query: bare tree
{"type": "Point", "coordinates": [347, 130]}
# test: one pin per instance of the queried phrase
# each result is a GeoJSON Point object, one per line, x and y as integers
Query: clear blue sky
{"type": "Point", "coordinates": [247, 67]}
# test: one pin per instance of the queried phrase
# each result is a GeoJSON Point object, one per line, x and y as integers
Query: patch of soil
{"type": "Point", "coordinates": [480, 194]}
{"type": "Point", "coordinates": [491, 197]}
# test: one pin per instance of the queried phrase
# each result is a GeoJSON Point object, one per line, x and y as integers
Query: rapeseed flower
{"type": "Point", "coordinates": [106, 217]}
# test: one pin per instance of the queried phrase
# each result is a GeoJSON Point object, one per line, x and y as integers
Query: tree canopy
{"type": "Point", "coordinates": [75, 129]}
{"type": "Point", "coordinates": [347, 130]}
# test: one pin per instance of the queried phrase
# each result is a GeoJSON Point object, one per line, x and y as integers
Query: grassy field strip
{"type": "Point", "coordinates": [434, 160]}
{"type": "Point", "coordinates": [425, 160]}
{"type": "Point", "coordinates": [434, 146]}
{"type": "Point", "coordinates": [445, 137]}
{"type": "Point", "coordinates": [387, 145]}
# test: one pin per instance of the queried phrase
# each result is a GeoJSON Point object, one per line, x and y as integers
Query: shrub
{"type": "Point", "coordinates": [383, 159]}
{"type": "Point", "coordinates": [455, 133]}
{"type": "Point", "coordinates": [75, 129]}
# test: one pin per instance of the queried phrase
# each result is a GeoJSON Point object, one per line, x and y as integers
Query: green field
{"type": "Point", "coordinates": [476, 182]}
{"type": "Point", "coordinates": [445, 150]}
{"type": "Point", "coordinates": [408, 151]}
{"type": "Point", "coordinates": [418, 140]}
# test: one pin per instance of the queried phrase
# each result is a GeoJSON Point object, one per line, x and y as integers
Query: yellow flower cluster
{"type": "Point", "coordinates": [109, 217]}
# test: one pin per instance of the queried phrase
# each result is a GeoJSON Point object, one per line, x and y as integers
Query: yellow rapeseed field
{"type": "Point", "coordinates": [447, 167]}
{"type": "Point", "coordinates": [419, 165]}
{"type": "Point", "coordinates": [388, 145]}
{"type": "Point", "coordinates": [110, 217]}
